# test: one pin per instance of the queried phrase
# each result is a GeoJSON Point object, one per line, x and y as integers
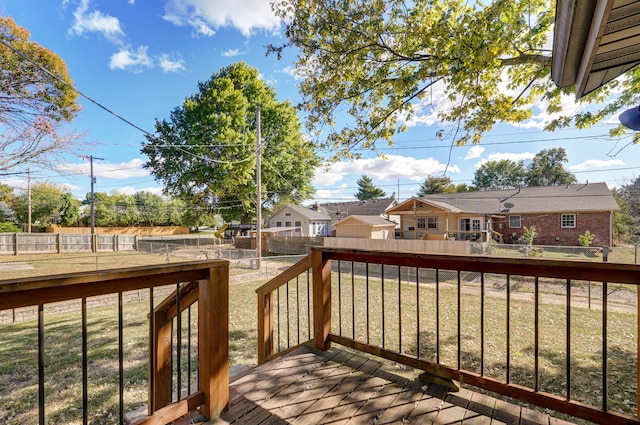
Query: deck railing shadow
{"type": "Point", "coordinates": [459, 318]}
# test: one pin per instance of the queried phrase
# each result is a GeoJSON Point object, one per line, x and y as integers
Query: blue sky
{"type": "Point", "coordinates": [141, 58]}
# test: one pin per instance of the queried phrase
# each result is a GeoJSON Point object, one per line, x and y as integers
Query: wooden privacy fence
{"type": "Point", "coordinates": [51, 243]}
{"type": "Point", "coordinates": [173, 389]}
{"type": "Point", "coordinates": [460, 318]}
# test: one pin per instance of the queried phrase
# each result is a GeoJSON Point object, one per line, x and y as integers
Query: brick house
{"type": "Point", "coordinates": [560, 214]}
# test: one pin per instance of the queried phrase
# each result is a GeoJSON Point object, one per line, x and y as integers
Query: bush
{"type": "Point", "coordinates": [586, 239]}
{"type": "Point", "coordinates": [8, 227]}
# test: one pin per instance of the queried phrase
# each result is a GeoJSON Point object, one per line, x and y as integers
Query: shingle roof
{"type": "Point", "coordinates": [372, 220]}
{"type": "Point", "coordinates": [307, 212]}
{"type": "Point", "coordinates": [570, 198]}
{"type": "Point", "coordinates": [372, 207]}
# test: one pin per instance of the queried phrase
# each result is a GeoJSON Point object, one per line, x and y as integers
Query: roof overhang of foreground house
{"type": "Point", "coordinates": [594, 42]}
{"type": "Point", "coordinates": [415, 205]}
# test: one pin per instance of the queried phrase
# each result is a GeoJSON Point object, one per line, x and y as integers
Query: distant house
{"type": "Point", "coordinates": [340, 210]}
{"type": "Point", "coordinates": [365, 226]}
{"type": "Point", "coordinates": [559, 213]}
{"type": "Point", "coordinates": [309, 221]}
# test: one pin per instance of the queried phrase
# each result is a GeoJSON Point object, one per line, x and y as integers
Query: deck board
{"type": "Point", "coordinates": [338, 387]}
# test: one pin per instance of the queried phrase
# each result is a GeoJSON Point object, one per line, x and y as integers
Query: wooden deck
{"type": "Point", "coordinates": [313, 387]}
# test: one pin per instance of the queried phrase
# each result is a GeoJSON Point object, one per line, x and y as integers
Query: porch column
{"type": "Point", "coordinates": [321, 268]}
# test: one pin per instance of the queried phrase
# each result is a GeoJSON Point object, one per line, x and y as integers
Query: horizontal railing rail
{"type": "Point", "coordinates": [200, 287]}
{"type": "Point", "coordinates": [517, 327]}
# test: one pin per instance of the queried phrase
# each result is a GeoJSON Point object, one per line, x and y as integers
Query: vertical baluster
{"type": "Point", "coordinates": [85, 376]}
{"type": "Point", "coordinates": [437, 316]}
{"type": "Point", "coordinates": [482, 344]}
{"type": "Point", "coordinates": [383, 302]}
{"type": "Point", "coordinates": [367, 297]}
{"type": "Point", "coordinates": [459, 324]}
{"type": "Point", "coordinates": [288, 314]}
{"type": "Point", "coordinates": [308, 304]}
{"type": "Point", "coordinates": [152, 353]}
{"type": "Point", "coordinates": [568, 340]}
{"type": "Point", "coordinates": [339, 298]}
{"type": "Point", "coordinates": [189, 351]}
{"type": "Point", "coordinates": [178, 343]}
{"type": "Point", "coordinates": [120, 359]}
{"type": "Point", "coordinates": [508, 371]}
{"type": "Point", "coordinates": [353, 303]}
{"type": "Point", "coordinates": [417, 312]}
{"type": "Point", "coordinates": [278, 314]}
{"type": "Point", "coordinates": [41, 411]}
{"type": "Point", "coordinates": [605, 350]}
{"type": "Point", "coordinates": [399, 311]}
{"type": "Point", "coordinates": [536, 347]}
{"type": "Point", "coordinates": [298, 307]}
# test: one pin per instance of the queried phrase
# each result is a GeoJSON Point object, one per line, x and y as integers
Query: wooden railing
{"type": "Point", "coordinates": [204, 282]}
{"type": "Point", "coordinates": [460, 318]}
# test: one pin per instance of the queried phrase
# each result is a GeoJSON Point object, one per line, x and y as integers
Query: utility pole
{"type": "Point", "coordinates": [93, 180]}
{"type": "Point", "coordinates": [28, 200]}
{"type": "Point", "coordinates": [259, 190]}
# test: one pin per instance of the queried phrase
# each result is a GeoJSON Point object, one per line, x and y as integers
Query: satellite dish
{"type": "Point", "coordinates": [631, 118]}
{"type": "Point", "coordinates": [508, 205]}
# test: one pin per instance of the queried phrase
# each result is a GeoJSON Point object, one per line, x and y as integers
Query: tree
{"type": "Point", "coordinates": [367, 190]}
{"type": "Point", "coordinates": [36, 98]}
{"type": "Point", "coordinates": [69, 210]}
{"type": "Point", "coordinates": [502, 174]}
{"type": "Point", "coordinates": [624, 223]}
{"type": "Point", "coordinates": [546, 169]}
{"type": "Point", "coordinates": [46, 204]}
{"type": "Point", "coordinates": [378, 60]}
{"type": "Point", "coordinates": [205, 153]}
{"type": "Point", "coordinates": [442, 184]}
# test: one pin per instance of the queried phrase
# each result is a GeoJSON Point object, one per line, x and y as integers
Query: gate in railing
{"type": "Point", "coordinates": [517, 327]}
{"type": "Point", "coordinates": [187, 368]}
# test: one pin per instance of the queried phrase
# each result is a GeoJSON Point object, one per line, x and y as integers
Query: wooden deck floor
{"type": "Point", "coordinates": [338, 387]}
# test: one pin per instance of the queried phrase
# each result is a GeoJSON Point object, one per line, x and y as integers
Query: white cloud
{"type": "Point", "coordinates": [108, 170]}
{"type": "Point", "coordinates": [169, 65]}
{"type": "Point", "coordinates": [506, 155]}
{"type": "Point", "coordinates": [85, 21]}
{"type": "Point", "coordinates": [231, 53]}
{"type": "Point", "coordinates": [206, 15]}
{"type": "Point", "coordinates": [590, 164]}
{"type": "Point", "coordinates": [135, 60]}
{"type": "Point", "coordinates": [291, 70]}
{"type": "Point", "coordinates": [474, 152]}
{"type": "Point", "coordinates": [132, 2]}
{"type": "Point", "coordinates": [392, 168]}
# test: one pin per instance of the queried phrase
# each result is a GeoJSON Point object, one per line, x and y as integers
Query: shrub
{"type": "Point", "coordinates": [586, 239]}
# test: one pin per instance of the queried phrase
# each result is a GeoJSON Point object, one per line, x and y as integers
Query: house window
{"type": "Point", "coordinates": [287, 214]}
{"type": "Point", "coordinates": [298, 223]}
{"type": "Point", "coordinates": [287, 224]}
{"type": "Point", "coordinates": [568, 221]}
{"type": "Point", "coordinates": [422, 223]}
{"type": "Point", "coordinates": [278, 224]}
{"type": "Point", "coordinates": [515, 221]}
{"type": "Point", "coordinates": [432, 222]}
{"type": "Point", "coordinates": [469, 224]}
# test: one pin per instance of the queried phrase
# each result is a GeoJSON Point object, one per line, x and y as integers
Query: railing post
{"type": "Point", "coordinates": [213, 346]}
{"type": "Point", "coordinates": [265, 326]}
{"type": "Point", "coordinates": [321, 268]}
{"type": "Point", "coordinates": [161, 391]}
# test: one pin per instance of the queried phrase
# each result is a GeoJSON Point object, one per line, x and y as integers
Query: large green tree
{"type": "Point", "coordinates": [205, 153]}
{"type": "Point", "coordinates": [47, 202]}
{"type": "Point", "coordinates": [36, 99]}
{"type": "Point", "coordinates": [501, 174]}
{"type": "Point", "coordinates": [547, 169]}
{"type": "Point", "coordinates": [378, 60]}
{"type": "Point", "coordinates": [367, 190]}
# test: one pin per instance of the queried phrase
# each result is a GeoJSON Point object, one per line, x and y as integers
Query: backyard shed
{"type": "Point", "coordinates": [365, 226]}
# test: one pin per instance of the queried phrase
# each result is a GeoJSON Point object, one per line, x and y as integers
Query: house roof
{"type": "Point", "coordinates": [594, 42]}
{"type": "Point", "coordinates": [306, 212]}
{"type": "Point", "coordinates": [372, 207]}
{"type": "Point", "coordinates": [526, 200]}
{"type": "Point", "coordinates": [371, 220]}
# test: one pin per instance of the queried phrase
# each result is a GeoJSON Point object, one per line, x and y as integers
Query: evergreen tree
{"type": "Point", "coordinates": [367, 190]}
